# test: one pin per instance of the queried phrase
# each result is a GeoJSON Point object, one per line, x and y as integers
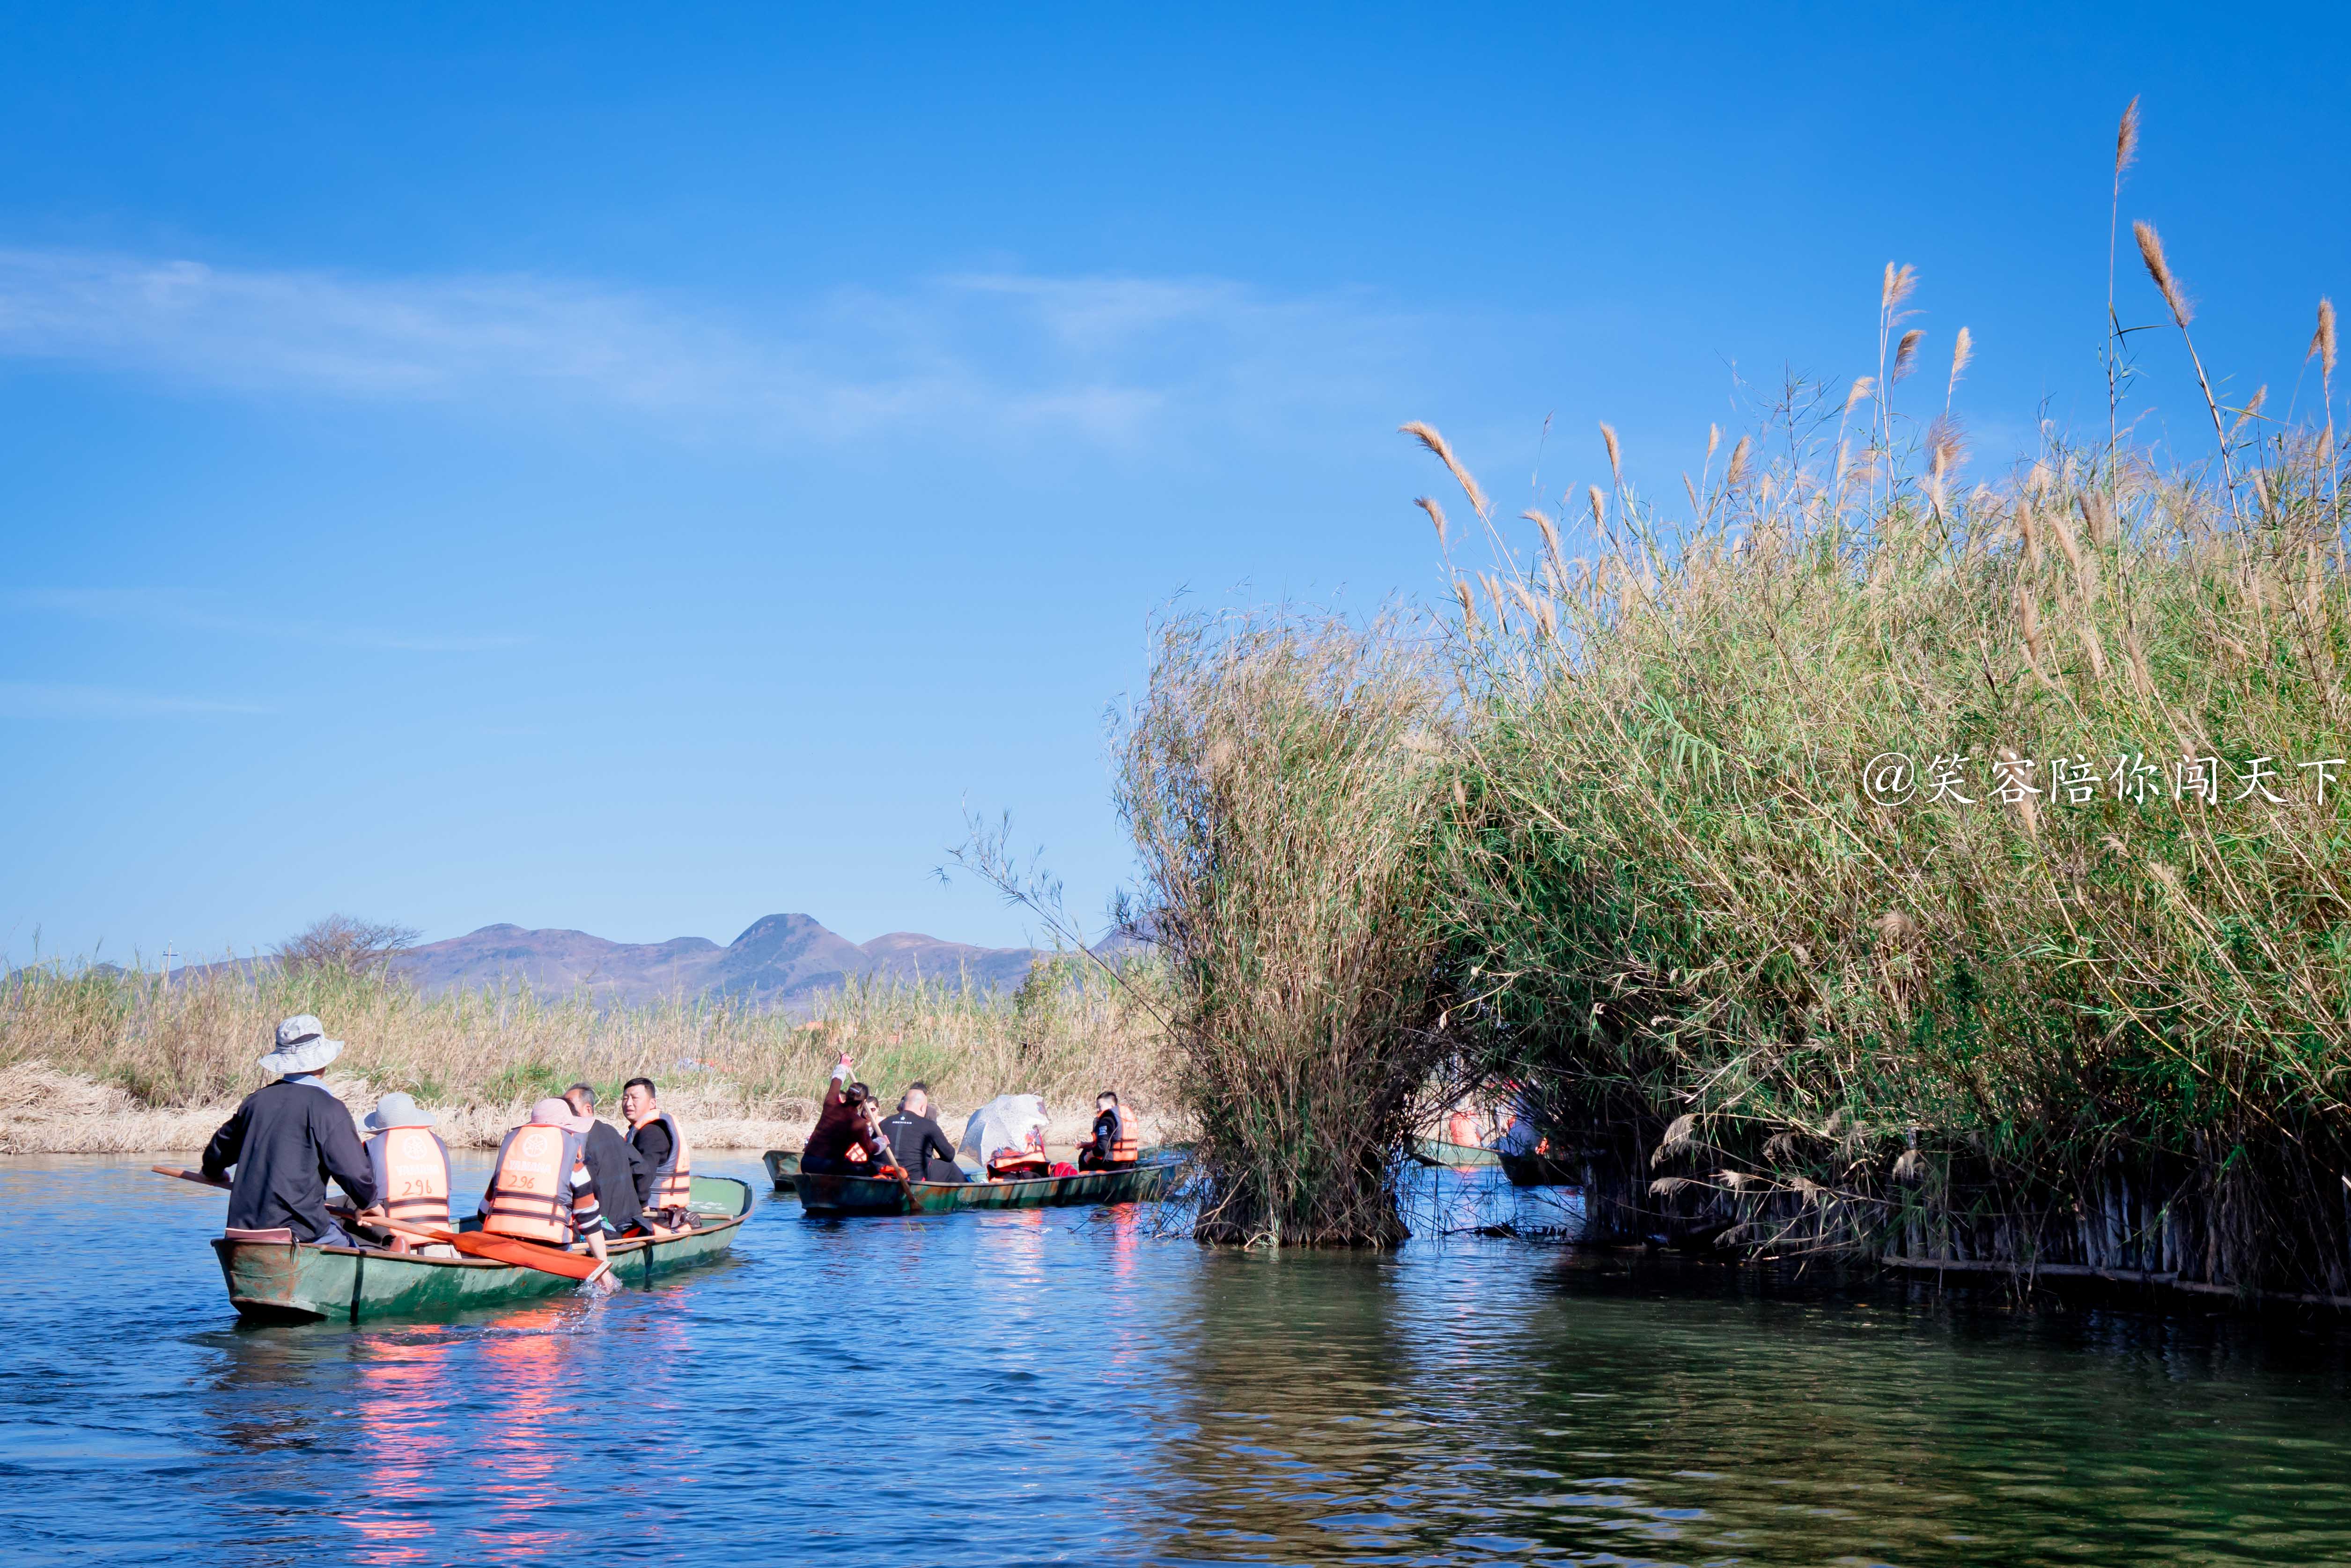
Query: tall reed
{"type": "Point", "coordinates": [1279, 780]}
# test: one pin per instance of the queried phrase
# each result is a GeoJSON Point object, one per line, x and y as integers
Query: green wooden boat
{"type": "Point", "coordinates": [782, 1166]}
{"type": "Point", "coordinates": [839, 1196]}
{"type": "Point", "coordinates": [1458, 1156]}
{"type": "Point", "coordinates": [271, 1281]}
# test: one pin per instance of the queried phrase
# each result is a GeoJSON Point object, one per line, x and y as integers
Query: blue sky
{"type": "Point", "coordinates": [585, 467]}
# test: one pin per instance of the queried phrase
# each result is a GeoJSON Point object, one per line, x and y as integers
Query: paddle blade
{"type": "Point", "coordinates": [196, 1176]}
{"type": "Point", "coordinates": [524, 1254]}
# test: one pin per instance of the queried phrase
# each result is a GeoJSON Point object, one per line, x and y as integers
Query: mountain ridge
{"type": "Point", "coordinates": [778, 960]}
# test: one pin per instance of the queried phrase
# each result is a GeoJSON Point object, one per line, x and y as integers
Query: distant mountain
{"type": "Point", "coordinates": [781, 961]}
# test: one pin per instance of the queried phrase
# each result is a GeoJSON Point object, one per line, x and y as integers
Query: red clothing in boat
{"type": "Point", "coordinates": [840, 1126]}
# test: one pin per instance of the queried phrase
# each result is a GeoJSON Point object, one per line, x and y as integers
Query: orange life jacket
{"type": "Point", "coordinates": [411, 1176]}
{"type": "Point", "coordinates": [531, 1192]}
{"type": "Point", "coordinates": [1124, 1152]}
{"type": "Point", "coordinates": [674, 1177]}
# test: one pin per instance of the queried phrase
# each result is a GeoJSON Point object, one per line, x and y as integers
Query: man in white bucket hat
{"type": "Point", "coordinates": [287, 1139]}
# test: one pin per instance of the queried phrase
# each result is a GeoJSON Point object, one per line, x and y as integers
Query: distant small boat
{"type": "Point", "coordinates": [1459, 1156]}
{"type": "Point", "coordinates": [1540, 1170]}
{"type": "Point", "coordinates": [842, 1196]}
{"type": "Point", "coordinates": [275, 1281]}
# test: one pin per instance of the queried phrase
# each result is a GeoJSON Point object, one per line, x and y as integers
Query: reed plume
{"type": "Point", "coordinates": [1615, 464]}
{"type": "Point", "coordinates": [2125, 153]}
{"type": "Point", "coordinates": [1963, 348]}
{"type": "Point", "coordinates": [1556, 557]}
{"type": "Point", "coordinates": [1436, 515]}
{"type": "Point", "coordinates": [2321, 343]}
{"type": "Point", "coordinates": [1428, 437]}
{"type": "Point", "coordinates": [2175, 298]}
{"type": "Point", "coordinates": [2159, 267]}
{"type": "Point", "coordinates": [1735, 470]}
{"type": "Point", "coordinates": [1905, 353]}
{"type": "Point", "coordinates": [1899, 283]}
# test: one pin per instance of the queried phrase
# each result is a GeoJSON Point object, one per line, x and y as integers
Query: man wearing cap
{"type": "Point", "coordinates": [411, 1167]}
{"type": "Point", "coordinates": [287, 1139]}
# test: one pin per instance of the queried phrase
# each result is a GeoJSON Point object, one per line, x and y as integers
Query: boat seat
{"type": "Point", "coordinates": [282, 1235]}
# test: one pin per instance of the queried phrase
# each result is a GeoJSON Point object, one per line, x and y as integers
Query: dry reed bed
{"type": "Point", "coordinates": [1278, 779]}
{"type": "Point", "coordinates": [100, 1061]}
{"type": "Point", "coordinates": [2086, 1002]}
{"type": "Point", "coordinates": [1603, 829]}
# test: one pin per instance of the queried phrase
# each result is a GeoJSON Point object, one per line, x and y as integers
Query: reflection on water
{"type": "Point", "coordinates": [400, 1417]}
{"type": "Point", "coordinates": [1051, 1386]}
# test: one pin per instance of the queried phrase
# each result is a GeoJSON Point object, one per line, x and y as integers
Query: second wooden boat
{"type": "Point", "coordinates": [842, 1196]}
{"type": "Point", "coordinates": [782, 1166]}
{"type": "Point", "coordinates": [273, 1282]}
{"type": "Point", "coordinates": [1457, 1156]}
{"type": "Point", "coordinates": [1541, 1170]}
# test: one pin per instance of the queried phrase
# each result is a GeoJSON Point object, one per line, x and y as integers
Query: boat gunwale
{"type": "Point", "coordinates": [1414, 1145]}
{"type": "Point", "coordinates": [629, 1246]}
{"type": "Point", "coordinates": [891, 1198]}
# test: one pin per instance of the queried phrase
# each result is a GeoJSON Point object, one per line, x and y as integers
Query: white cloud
{"type": "Point", "coordinates": [1102, 357]}
{"type": "Point", "coordinates": [36, 699]}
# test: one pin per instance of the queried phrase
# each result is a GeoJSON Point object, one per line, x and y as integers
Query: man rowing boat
{"type": "Point", "coordinates": [287, 1139]}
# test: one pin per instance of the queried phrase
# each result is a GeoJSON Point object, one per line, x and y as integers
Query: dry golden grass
{"type": "Point", "coordinates": [97, 1061]}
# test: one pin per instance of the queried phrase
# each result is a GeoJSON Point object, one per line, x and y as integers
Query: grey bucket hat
{"type": "Point", "coordinates": [396, 1110]}
{"type": "Point", "coordinates": [302, 1047]}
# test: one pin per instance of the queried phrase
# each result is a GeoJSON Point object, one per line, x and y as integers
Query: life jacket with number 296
{"type": "Point", "coordinates": [531, 1191]}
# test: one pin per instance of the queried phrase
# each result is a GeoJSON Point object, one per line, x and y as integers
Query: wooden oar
{"type": "Point", "coordinates": [506, 1250]}
{"type": "Point", "coordinates": [907, 1186]}
{"type": "Point", "coordinates": [496, 1249]}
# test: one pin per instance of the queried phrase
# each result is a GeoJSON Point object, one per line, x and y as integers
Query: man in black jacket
{"type": "Point", "coordinates": [623, 1180]}
{"type": "Point", "coordinates": [922, 1150]}
{"type": "Point", "coordinates": [287, 1139]}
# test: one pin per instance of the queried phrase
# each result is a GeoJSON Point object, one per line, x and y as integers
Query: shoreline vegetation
{"type": "Point", "coordinates": [1869, 859]}
{"type": "Point", "coordinates": [95, 1060]}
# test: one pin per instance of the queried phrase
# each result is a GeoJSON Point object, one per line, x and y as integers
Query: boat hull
{"type": "Point", "coordinates": [270, 1282]}
{"type": "Point", "coordinates": [782, 1166]}
{"type": "Point", "coordinates": [1457, 1157]}
{"type": "Point", "coordinates": [843, 1195]}
{"type": "Point", "coordinates": [1540, 1170]}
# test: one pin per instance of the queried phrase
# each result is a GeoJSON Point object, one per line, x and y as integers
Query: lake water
{"type": "Point", "coordinates": [1061, 1387]}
